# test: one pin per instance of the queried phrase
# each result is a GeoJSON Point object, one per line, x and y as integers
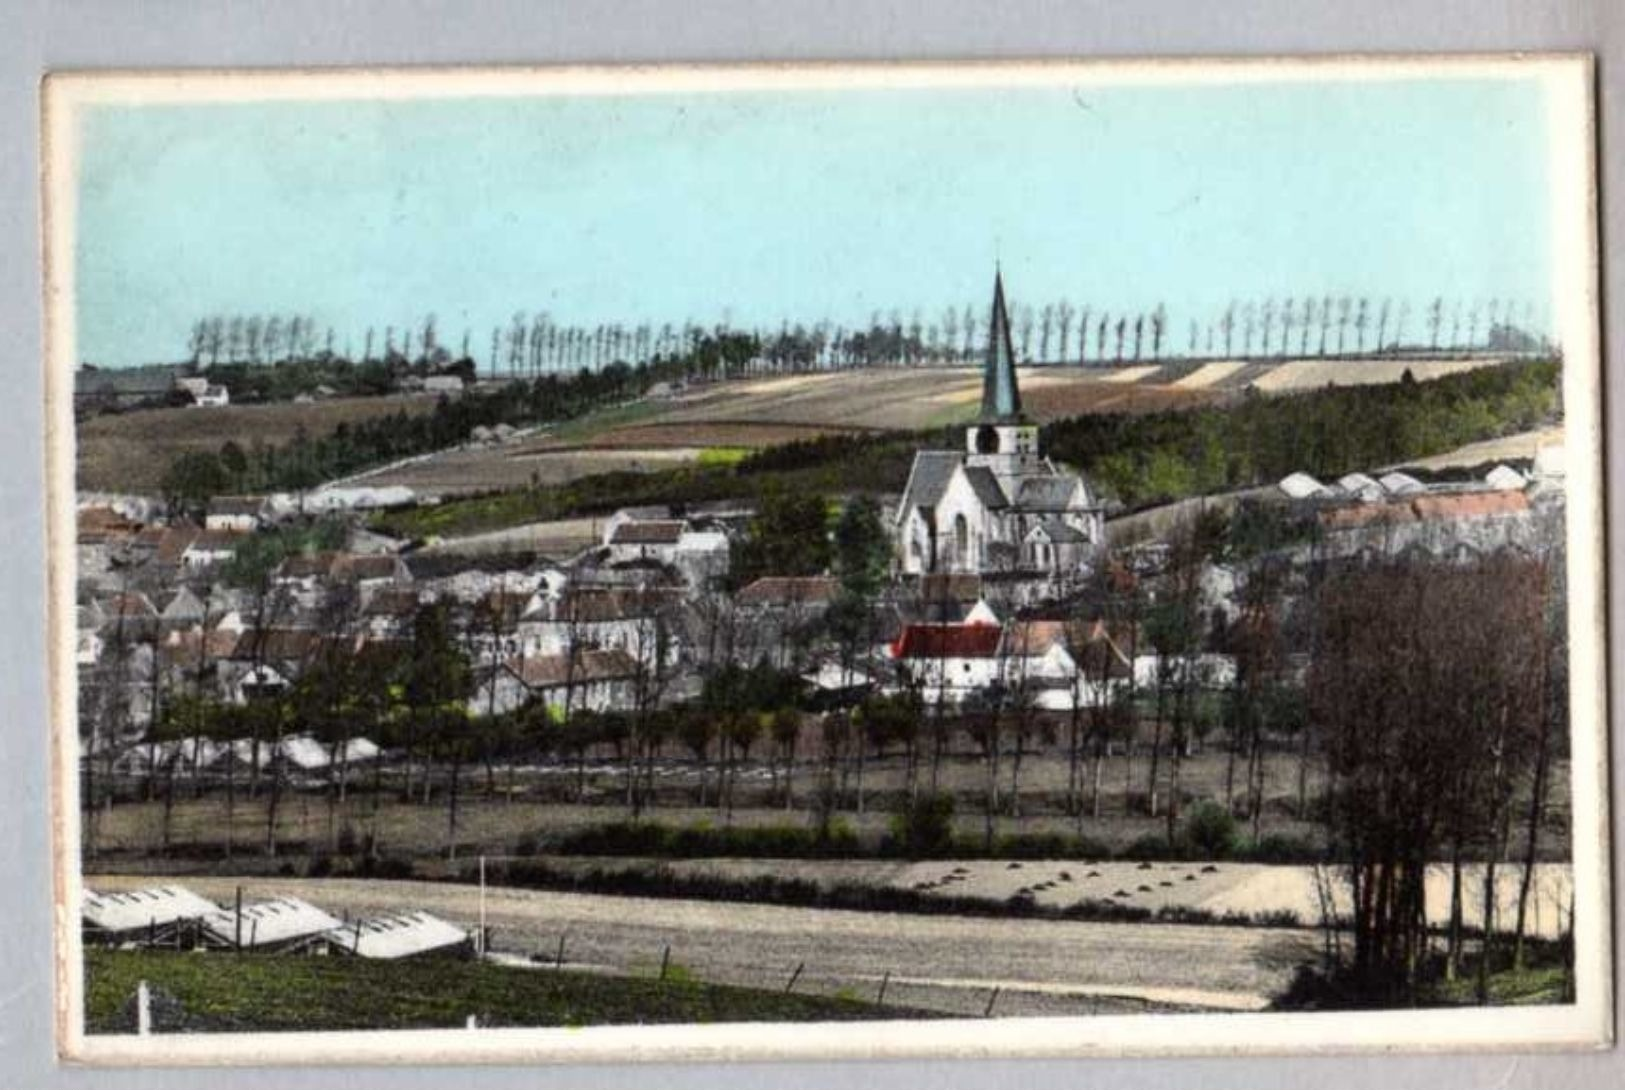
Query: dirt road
{"type": "Point", "coordinates": [945, 963]}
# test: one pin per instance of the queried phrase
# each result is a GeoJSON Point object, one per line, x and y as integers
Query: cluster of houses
{"type": "Point", "coordinates": [173, 916]}
{"type": "Point", "coordinates": [982, 539]}
{"type": "Point", "coordinates": [1505, 507]}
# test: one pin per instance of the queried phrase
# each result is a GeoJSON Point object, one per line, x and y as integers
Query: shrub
{"type": "Point", "coordinates": [1149, 846]}
{"type": "Point", "coordinates": [1210, 830]}
{"type": "Point", "coordinates": [925, 828]}
{"type": "Point", "coordinates": [1049, 846]}
{"type": "Point", "coordinates": [1281, 849]}
{"type": "Point", "coordinates": [386, 867]}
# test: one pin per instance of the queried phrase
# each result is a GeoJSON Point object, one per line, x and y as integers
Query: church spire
{"type": "Point", "coordinates": [1001, 399]}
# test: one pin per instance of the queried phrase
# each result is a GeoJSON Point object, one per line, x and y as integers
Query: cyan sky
{"type": "Point", "coordinates": [804, 205]}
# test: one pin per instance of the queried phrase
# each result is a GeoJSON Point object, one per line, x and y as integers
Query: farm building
{"type": "Point", "coordinates": [1401, 484]}
{"type": "Point", "coordinates": [1359, 486]}
{"type": "Point", "coordinates": [358, 498]}
{"type": "Point", "coordinates": [141, 916]}
{"type": "Point", "coordinates": [203, 392]}
{"type": "Point", "coordinates": [280, 925]}
{"type": "Point", "coordinates": [1301, 486]}
{"type": "Point", "coordinates": [1506, 479]}
{"type": "Point", "coordinates": [403, 935]}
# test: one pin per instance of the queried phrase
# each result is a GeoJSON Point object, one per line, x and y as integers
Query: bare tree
{"type": "Point", "coordinates": [1063, 318]}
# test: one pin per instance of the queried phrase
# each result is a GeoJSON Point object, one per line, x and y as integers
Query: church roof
{"type": "Point", "coordinates": [929, 478]}
{"type": "Point", "coordinates": [1001, 399]}
{"type": "Point", "coordinates": [1061, 533]}
{"type": "Point", "coordinates": [1051, 492]}
{"type": "Point", "coordinates": [986, 487]}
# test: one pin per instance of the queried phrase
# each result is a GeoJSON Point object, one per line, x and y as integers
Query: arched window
{"type": "Point", "coordinates": [961, 542]}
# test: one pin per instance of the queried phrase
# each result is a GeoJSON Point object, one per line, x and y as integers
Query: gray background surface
{"type": "Point", "coordinates": [36, 36]}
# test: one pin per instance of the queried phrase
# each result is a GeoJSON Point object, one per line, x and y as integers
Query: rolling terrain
{"type": "Point", "coordinates": [752, 413]}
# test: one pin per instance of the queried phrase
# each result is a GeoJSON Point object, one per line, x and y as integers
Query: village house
{"type": "Point", "coordinates": [183, 610]}
{"type": "Point", "coordinates": [389, 612]}
{"type": "Point", "coordinates": [947, 663]}
{"type": "Point", "coordinates": [368, 573]}
{"type": "Point", "coordinates": [209, 548]}
{"type": "Point", "coordinates": [1000, 506]}
{"type": "Point", "coordinates": [698, 554]}
{"type": "Point", "coordinates": [588, 681]}
{"type": "Point", "coordinates": [634, 539]}
{"type": "Point", "coordinates": [243, 514]}
{"type": "Point", "coordinates": [642, 621]}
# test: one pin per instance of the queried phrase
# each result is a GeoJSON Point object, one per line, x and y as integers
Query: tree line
{"type": "Point", "coordinates": [1059, 332]}
{"type": "Point", "coordinates": [306, 461]}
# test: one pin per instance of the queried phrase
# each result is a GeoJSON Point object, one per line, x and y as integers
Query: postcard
{"type": "Point", "coordinates": [745, 562]}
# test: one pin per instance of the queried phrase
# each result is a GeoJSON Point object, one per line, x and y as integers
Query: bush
{"type": "Point", "coordinates": [925, 829]}
{"type": "Point", "coordinates": [1049, 846]}
{"type": "Point", "coordinates": [1210, 830]}
{"type": "Point", "coordinates": [648, 838]}
{"type": "Point", "coordinates": [392, 867]}
{"type": "Point", "coordinates": [1281, 849]}
{"type": "Point", "coordinates": [1149, 846]}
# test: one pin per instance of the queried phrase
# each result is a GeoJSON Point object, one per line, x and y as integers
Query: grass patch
{"type": "Point", "coordinates": [598, 421]}
{"type": "Point", "coordinates": [225, 992]}
{"type": "Point", "coordinates": [1511, 987]}
{"type": "Point", "coordinates": [712, 457]}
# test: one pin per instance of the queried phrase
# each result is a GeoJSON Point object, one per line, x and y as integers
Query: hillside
{"type": "Point", "coordinates": [129, 452]}
{"type": "Point", "coordinates": [754, 413]}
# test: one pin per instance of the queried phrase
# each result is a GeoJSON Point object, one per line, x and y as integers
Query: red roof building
{"type": "Point", "coordinates": [954, 641]}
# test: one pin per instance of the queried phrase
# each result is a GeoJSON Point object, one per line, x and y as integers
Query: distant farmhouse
{"type": "Point", "coordinates": [203, 392]}
{"type": "Point", "coordinates": [97, 389]}
{"type": "Point", "coordinates": [1000, 507]}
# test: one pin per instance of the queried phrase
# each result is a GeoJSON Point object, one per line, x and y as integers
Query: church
{"type": "Point", "coordinates": [999, 507]}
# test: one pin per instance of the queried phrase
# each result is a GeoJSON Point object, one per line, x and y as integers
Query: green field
{"type": "Point", "coordinates": [224, 992]}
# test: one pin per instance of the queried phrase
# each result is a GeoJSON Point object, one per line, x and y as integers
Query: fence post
{"type": "Point", "coordinates": [665, 960]}
{"type": "Point", "coordinates": [884, 980]}
{"type": "Point", "coordinates": [473, 1021]}
{"type": "Point", "coordinates": [143, 1009]}
{"type": "Point", "coordinates": [795, 976]}
{"type": "Point", "coordinates": [558, 961]}
{"type": "Point", "coordinates": [481, 950]}
{"type": "Point", "coordinates": [238, 940]}
{"type": "Point", "coordinates": [992, 999]}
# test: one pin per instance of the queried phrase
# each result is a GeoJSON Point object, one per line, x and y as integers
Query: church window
{"type": "Point", "coordinates": [987, 440]}
{"type": "Point", "coordinates": [961, 541]}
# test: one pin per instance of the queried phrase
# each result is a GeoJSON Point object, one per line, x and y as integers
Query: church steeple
{"type": "Point", "coordinates": [1001, 398]}
{"type": "Point", "coordinates": [1002, 439]}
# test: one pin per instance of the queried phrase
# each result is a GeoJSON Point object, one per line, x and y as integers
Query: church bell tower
{"type": "Point", "coordinates": [1002, 439]}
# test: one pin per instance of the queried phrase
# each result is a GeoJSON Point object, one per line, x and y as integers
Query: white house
{"type": "Point", "coordinates": [593, 681]}
{"type": "Point", "coordinates": [211, 547]}
{"type": "Point", "coordinates": [240, 513]}
{"type": "Point", "coordinates": [948, 662]}
{"type": "Point", "coordinates": [639, 539]}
